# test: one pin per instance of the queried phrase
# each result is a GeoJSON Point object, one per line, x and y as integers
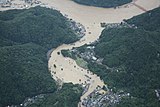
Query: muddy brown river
{"type": "Point", "coordinates": [90, 17]}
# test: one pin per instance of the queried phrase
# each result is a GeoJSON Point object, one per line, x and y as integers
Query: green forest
{"type": "Point", "coordinates": [25, 37]}
{"type": "Point", "coordinates": [103, 3]}
{"type": "Point", "coordinates": [68, 96]}
{"type": "Point", "coordinates": [135, 53]}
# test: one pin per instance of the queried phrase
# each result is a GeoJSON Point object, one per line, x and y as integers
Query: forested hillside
{"type": "Point", "coordinates": [45, 27]}
{"type": "Point", "coordinates": [135, 53]}
{"type": "Point", "coordinates": [25, 37]}
{"type": "Point", "coordinates": [103, 3]}
{"type": "Point", "coordinates": [68, 96]}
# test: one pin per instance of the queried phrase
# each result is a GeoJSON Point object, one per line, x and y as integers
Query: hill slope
{"type": "Point", "coordinates": [25, 37]}
{"type": "Point", "coordinates": [135, 53]}
{"type": "Point", "coordinates": [45, 27]}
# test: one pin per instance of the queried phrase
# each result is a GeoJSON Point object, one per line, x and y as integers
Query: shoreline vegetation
{"type": "Point", "coordinates": [25, 37]}
{"type": "Point", "coordinates": [126, 57]}
{"type": "Point", "coordinates": [103, 3]}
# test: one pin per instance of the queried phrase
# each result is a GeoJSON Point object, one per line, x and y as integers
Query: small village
{"type": "Point", "coordinates": [158, 94]}
{"type": "Point", "coordinates": [30, 100]}
{"type": "Point", "coordinates": [18, 4]}
{"type": "Point", "coordinates": [100, 98]}
{"type": "Point", "coordinates": [123, 24]}
{"type": "Point", "coordinates": [78, 28]}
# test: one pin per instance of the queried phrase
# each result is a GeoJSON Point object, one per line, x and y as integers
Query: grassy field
{"type": "Point", "coordinates": [82, 63]}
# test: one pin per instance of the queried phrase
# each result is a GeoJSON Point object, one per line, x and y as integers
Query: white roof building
{"type": "Point", "coordinates": [3, 1]}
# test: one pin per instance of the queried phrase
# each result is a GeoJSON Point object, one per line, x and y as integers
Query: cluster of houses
{"type": "Point", "coordinates": [3, 1]}
{"type": "Point", "coordinates": [29, 101]}
{"type": "Point", "coordinates": [77, 27]}
{"type": "Point", "coordinates": [18, 3]}
{"type": "Point", "coordinates": [100, 98]}
{"type": "Point", "coordinates": [123, 24]}
{"type": "Point", "coordinates": [158, 94]}
{"type": "Point", "coordinates": [88, 54]}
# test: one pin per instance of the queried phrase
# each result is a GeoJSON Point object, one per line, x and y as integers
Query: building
{"type": "Point", "coordinates": [3, 1]}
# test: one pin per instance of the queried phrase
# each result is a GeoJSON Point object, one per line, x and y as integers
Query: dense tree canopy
{"type": "Point", "coordinates": [135, 52]}
{"type": "Point", "coordinates": [45, 27]}
{"type": "Point", "coordinates": [24, 73]}
{"type": "Point", "coordinates": [68, 96]}
{"type": "Point", "coordinates": [25, 37]}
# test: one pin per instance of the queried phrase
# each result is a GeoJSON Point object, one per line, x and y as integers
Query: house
{"type": "Point", "coordinates": [3, 1]}
{"type": "Point", "coordinates": [94, 58]}
{"type": "Point", "coordinates": [158, 94]}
